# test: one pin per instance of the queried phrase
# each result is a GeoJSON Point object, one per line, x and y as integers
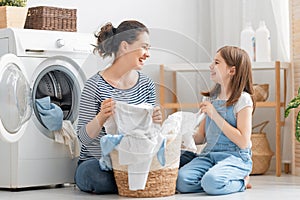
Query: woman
{"type": "Point", "coordinates": [225, 163]}
{"type": "Point", "coordinates": [129, 45]}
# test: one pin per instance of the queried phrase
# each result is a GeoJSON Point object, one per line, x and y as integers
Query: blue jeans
{"type": "Point", "coordinates": [90, 178]}
{"type": "Point", "coordinates": [215, 173]}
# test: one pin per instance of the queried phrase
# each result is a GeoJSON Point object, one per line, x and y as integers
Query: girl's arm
{"type": "Point", "coordinates": [240, 135]}
{"type": "Point", "coordinates": [199, 136]}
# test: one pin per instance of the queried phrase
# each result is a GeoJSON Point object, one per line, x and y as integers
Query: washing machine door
{"type": "Point", "coordinates": [15, 98]}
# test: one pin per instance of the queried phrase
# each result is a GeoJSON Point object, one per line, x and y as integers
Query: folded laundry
{"type": "Point", "coordinates": [51, 115]}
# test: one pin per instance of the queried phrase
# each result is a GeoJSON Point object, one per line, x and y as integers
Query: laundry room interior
{"type": "Point", "coordinates": [44, 70]}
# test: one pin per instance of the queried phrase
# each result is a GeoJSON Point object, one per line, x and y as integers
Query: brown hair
{"type": "Point", "coordinates": [242, 80]}
{"type": "Point", "coordinates": [109, 37]}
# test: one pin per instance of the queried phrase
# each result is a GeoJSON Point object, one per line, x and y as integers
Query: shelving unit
{"type": "Point", "coordinates": [276, 66]}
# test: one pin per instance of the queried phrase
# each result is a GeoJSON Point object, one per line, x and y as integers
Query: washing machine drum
{"type": "Point", "coordinates": [58, 86]}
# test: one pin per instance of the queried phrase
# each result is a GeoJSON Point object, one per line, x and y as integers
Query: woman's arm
{"type": "Point", "coordinates": [90, 122]}
{"type": "Point", "coordinates": [94, 127]}
{"type": "Point", "coordinates": [157, 115]}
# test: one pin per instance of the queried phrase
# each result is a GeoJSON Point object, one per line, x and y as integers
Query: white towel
{"type": "Point", "coordinates": [67, 135]}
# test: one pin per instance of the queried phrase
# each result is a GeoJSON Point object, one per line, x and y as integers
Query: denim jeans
{"type": "Point", "coordinates": [222, 166]}
{"type": "Point", "coordinates": [90, 178]}
{"type": "Point", "coordinates": [215, 173]}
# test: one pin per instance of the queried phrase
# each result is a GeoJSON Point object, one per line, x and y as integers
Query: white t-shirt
{"type": "Point", "coordinates": [244, 101]}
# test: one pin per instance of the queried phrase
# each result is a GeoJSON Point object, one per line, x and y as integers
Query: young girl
{"type": "Point", "coordinates": [225, 163]}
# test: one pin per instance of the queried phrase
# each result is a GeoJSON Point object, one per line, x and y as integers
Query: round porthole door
{"type": "Point", "coordinates": [61, 79]}
{"type": "Point", "coordinates": [15, 98]}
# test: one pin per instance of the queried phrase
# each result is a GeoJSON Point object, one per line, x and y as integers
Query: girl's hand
{"type": "Point", "coordinates": [208, 108]}
{"type": "Point", "coordinates": [107, 110]}
{"type": "Point", "coordinates": [157, 115]}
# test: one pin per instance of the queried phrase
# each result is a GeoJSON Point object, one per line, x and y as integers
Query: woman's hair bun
{"type": "Point", "coordinates": [105, 46]}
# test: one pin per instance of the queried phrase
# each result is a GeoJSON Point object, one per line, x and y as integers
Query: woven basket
{"type": "Point", "coordinates": [51, 18]}
{"type": "Point", "coordinates": [261, 92]}
{"type": "Point", "coordinates": [161, 180]}
{"type": "Point", "coordinates": [261, 151]}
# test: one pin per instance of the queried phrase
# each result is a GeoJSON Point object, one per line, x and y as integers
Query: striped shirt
{"type": "Point", "coordinates": [96, 90]}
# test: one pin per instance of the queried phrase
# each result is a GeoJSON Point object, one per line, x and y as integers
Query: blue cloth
{"type": "Point", "coordinates": [107, 144]}
{"type": "Point", "coordinates": [161, 153]}
{"type": "Point", "coordinates": [51, 114]}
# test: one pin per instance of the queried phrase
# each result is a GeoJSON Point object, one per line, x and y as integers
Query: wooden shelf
{"type": "Point", "coordinates": [202, 67]}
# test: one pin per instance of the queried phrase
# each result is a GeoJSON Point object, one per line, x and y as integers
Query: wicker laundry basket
{"type": "Point", "coordinates": [51, 18]}
{"type": "Point", "coordinates": [161, 179]}
{"type": "Point", "coordinates": [261, 92]}
{"type": "Point", "coordinates": [261, 151]}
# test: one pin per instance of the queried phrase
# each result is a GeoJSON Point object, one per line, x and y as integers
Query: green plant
{"type": "Point", "coordinates": [18, 3]}
{"type": "Point", "coordinates": [294, 103]}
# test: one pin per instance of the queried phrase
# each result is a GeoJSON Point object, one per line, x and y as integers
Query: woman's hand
{"type": "Point", "coordinates": [107, 110]}
{"type": "Point", "coordinates": [157, 115]}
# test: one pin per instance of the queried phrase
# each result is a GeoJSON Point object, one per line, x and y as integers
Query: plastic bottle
{"type": "Point", "coordinates": [263, 44]}
{"type": "Point", "coordinates": [248, 40]}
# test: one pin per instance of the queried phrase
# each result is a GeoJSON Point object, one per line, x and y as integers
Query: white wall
{"type": "Point", "coordinates": [173, 25]}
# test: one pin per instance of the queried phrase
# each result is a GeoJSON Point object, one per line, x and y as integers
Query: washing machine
{"type": "Point", "coordinates": [35, 64]}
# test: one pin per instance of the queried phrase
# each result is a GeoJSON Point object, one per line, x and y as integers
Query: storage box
{"type": "Point", "coordinates": [51, 18]}
{"type": "Point", "coordinates": [12, 17]}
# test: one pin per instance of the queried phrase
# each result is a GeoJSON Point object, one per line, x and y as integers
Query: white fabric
{"type": "Point", "coordinates": [188, 122]}
{"type": "Point", "coordinates": [67, 135]}
{"type": "Point", "coordinates": [142, 139]}
{"type": "Point", "coordinates": [281, 17]}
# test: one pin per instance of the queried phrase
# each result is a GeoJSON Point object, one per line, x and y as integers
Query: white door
{"type": "Point", "coordinates": [15, 98]}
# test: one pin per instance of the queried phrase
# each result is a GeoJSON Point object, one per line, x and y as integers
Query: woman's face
{"type": "Point", "coordinates": [138, 51]}
{"type": "Point", "coordinates": [219, 71]}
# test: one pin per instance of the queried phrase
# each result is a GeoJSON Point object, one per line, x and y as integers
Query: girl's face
{"type": "Point", "coordinates": [219, 71]}
{"type": "Point", "coordinates": [138, 51]}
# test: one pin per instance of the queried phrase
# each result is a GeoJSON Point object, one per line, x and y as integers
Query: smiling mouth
{"type": "Point", "coordinates": [141, 60]}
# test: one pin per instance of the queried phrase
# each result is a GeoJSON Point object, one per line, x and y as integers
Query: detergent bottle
{"type": "Point", "coordinates": [248, 41]}
{"type": "Point", "coordinates": [263, 44]}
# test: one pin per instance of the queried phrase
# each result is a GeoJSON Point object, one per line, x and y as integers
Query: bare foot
{"type": "Point", "coordinates": [247, 182]}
